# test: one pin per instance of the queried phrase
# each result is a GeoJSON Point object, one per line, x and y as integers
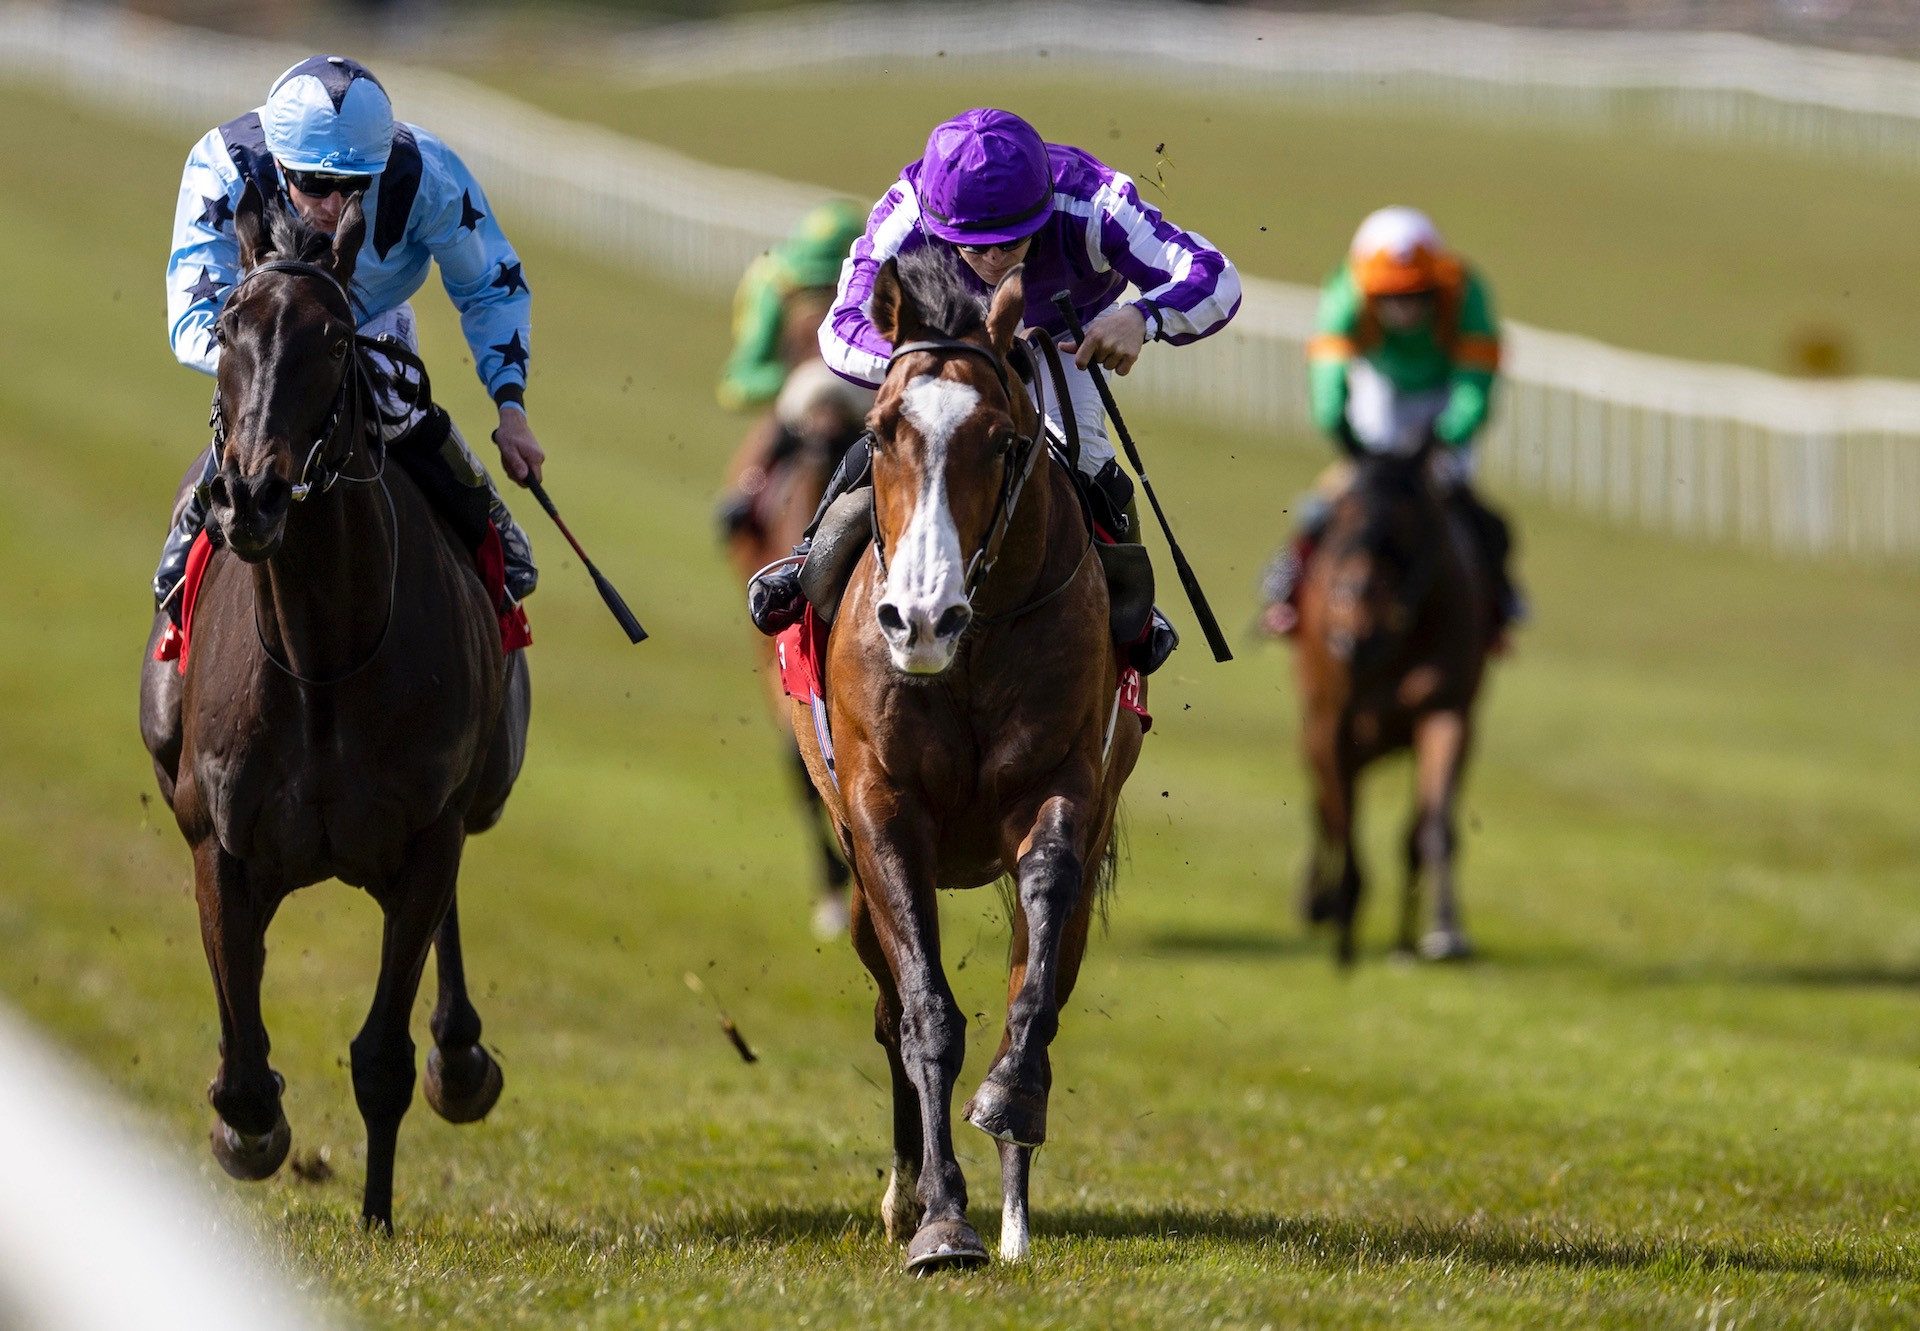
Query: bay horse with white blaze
{"type": "Point", "coordinates": [1396, 624]}
{"type": "Point", "coordinates": [345, 710]}
{"type": "Point", "coordinates": [971, 684]}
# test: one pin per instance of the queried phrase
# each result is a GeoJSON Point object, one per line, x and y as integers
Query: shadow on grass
{"type": "Point", "coordinates": [1339, 1243]}
{"type": "Point", "coordinates": [1233, 943]}
{"type": "Point", "coordinates": [1811, 975]}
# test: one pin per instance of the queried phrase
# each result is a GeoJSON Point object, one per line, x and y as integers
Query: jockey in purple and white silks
{"type": "Point", "coordinates": [996, 195]}
{"type": "Point", "coordinates": [325, 132]}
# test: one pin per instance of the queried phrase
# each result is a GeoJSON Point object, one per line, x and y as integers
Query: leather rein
{"type": "Point", "coordinates": [1021, 458]}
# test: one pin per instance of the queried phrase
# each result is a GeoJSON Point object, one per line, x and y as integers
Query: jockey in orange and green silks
{"type": "Point", "coordinates": [809, 258]}
{"type": "Point", "coordinates": [1405, 348]}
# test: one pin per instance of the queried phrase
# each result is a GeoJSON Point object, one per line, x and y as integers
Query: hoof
{"type": "Point", "coordinates": [1446, 945]}
{"type": "Point", "coordinates": [945, 1245]}
{"type": "Point", "coordinates": [831, 916]}
{"type": "Point", "coordinates": [1013, 1116]}
{"type": "Point", "coordinates": [900, 1209]}
{"type": "Point", "coordinates": [462, 1087]}
{"type": "Point", "coordinates": [250, 1159]}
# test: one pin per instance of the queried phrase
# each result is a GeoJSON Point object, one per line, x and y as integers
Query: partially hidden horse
{"type": "Point", "coordinates": [781, 470]}
{"type": "Point", "coordinates": [1396, 624]}
{"type": "Point", "coordinates": [971, 687]}
{"type": "Point", "coordinates": [345, 710]}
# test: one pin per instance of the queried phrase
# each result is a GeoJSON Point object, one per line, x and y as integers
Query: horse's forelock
{"type": "Point", "coordinates": [948, 306]}
{"type": "Point", "coordinates": [296, 238]}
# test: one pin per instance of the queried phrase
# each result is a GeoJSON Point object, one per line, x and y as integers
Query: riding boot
{"type": "Point", "coordinates": [1284, 575]}
{"type": "Point", "coordinates": [774, 599]}
{"type": "Point", "coordinates": [1495, 539]}
{"type": "Point", "coordinates": [188, 522]}
{"type": "Point", "coordinates": [1111, 485]}
{"type": "Point", "coordinates": [451, 477]}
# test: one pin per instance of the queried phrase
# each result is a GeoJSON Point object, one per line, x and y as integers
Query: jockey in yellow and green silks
{"type": "Point", "coordinates": [759, 366]}
{"type": "Point", "coordinates": [1405, 348]}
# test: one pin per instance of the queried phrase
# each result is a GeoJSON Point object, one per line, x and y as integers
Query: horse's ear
{"type": "Point", "coordinates": [347, 236]}
{"type": "Point", "coordinates": [1009, 306]}
{"type": "Point", "coordinates": [250, 225]}
{"type": "Point", "coordinates": [895, 316]}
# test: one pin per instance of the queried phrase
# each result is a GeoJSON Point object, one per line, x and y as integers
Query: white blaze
{"type": "Point", "coordinates": [926, 575]}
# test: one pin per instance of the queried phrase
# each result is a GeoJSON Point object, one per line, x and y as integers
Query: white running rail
{"type": "Point", "coordinates": [1702, 451]}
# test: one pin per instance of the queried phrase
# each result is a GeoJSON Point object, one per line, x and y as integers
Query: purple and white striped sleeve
{"type": "Point", "coordinates": [852, 347]}
{"type": "Point", "coordinates": [1188, 288]}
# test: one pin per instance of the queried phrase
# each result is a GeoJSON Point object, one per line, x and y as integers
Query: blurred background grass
{"type": "Point", "coordinates": [1683, 1077]}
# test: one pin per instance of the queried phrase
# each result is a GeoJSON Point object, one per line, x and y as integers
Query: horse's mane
{"type": "Point", "coordinates": [950, 308]}
{"type": "Point", "coordinates": [294, 237]}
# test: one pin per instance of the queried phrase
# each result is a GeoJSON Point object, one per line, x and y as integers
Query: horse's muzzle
{"type": "Point", "coordinates": [921, 641]}
{"type": "Point", "coordinates": [251, 512]}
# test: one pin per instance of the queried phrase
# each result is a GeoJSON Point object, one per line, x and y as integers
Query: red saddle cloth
{"type": "Point", "coordinates": [801, 651]}
{"type": "Point", "coordinates": [490, 560]}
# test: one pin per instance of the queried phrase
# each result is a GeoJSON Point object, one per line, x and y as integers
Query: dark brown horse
{"type": "Point", "coordinates": [345, 712]}
{"type": "Point", "coordinates": [1396, 620]}
{"type": "Point", "coordinates": [781, 470]}
{"type": "Point", "coordinates": [971, 688]}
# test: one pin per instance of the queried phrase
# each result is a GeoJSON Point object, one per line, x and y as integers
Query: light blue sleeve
{"type": "Point", "coordinates": [205, 261]}
{"type": "Point", "coordinates": [482, 274]}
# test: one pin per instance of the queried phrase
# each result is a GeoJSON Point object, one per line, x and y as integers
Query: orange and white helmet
{"type": "Point", "coordinates": [1398, 251]}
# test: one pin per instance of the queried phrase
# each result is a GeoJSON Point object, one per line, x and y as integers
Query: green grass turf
{"type": "Point", "coordinates": [1687, 248]}
{"type": "Point", "coordinates": [1679, 1088]}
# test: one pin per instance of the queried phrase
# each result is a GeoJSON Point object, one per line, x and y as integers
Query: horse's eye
{"type": "Point", "coordinates": [338, 350]}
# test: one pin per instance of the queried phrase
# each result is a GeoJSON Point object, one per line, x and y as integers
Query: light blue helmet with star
{"type": "Point", "coordinates": [329, 113]}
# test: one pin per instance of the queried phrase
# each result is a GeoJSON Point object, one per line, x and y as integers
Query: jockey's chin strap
{"type": "Point", "coordinates": [1021, 457]}
{"type": "Point", "coordinates": [353, 393]}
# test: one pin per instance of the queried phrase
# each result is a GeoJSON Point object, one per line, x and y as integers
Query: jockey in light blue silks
{"type": "Point", "coordinates": [993, 193]}
{"type": "Point", "coordinates": [327, 131]}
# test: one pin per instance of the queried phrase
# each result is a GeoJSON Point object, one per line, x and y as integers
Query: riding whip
{"type": "Point", "coordinates": [635, 633]}
{"type": "Point", "coordinates": [1209, 626]}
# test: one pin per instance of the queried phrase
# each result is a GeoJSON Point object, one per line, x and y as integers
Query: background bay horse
{"type": "Point", "coordinates": [345, 711]}
{"type": "Point", "coordinates": [1396, 622]}
{"type": "Point", "coordinates": [781, 469]}
{"type": "Point", "coordinates": [971, 687]}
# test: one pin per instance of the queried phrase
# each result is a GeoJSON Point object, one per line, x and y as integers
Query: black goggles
{"type": "Point", "coordinates": [1004, 247]}
{"type": "Point", "coordinates": [319, 184]}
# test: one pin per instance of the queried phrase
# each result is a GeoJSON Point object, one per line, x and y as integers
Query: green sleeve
{"type": "Point", "coordinates": [754, 373]}
{"type": "Point", "coordinates": [1471, 397]}
{"type": "Point", "coordinates": [1337, 321]}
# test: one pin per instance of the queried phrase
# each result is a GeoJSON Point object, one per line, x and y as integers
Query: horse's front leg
{"type": "Point", "coordinates": [1440, 743]}
{"type": "Point", "coordinates": [1050, 936]}
{"type": "Point", "coordinates": [463, 1080]}
{"type": "Point", "coordinates": [414, 902]}
{"type": "Point", "coordinates": [896, 875]}
{"type": "Point", "coordinates": [251, 1137]}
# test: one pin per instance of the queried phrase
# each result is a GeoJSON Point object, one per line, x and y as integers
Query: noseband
{"type": "Point", "coordinates": [318, 472]}
{"type": "Point", "coordinates": [1022, 455]}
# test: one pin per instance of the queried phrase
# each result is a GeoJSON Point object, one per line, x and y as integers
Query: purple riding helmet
{"type": "Point", "coordinates": [984, 179]}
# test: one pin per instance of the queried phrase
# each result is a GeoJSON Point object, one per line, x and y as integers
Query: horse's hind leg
{"type": "Point", "coordinates": [463, 1081]}
{"type": "Point", "coordinates": [831, 907]}
{"type": "Point", "coordinates": [1440, 745]}
{"type": "Point", "coordinates": [251, 1137]}
{"type": "Point", "coordinates": [1406, 942]}
{"type": "Point", "coordinates": [900, 1208]}
{"type": "Point", "coordinates": [383, 1072]}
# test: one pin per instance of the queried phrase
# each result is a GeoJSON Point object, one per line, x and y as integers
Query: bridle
{"type": "Point", "coordinates": [1021, 457]}
{"type": "Point", "coordinates": [352, 394]}
{"type": "Point", "coordinates": [320, 472]}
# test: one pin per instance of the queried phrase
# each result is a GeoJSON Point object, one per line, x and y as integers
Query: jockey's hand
{"type": "Point", "coordinates": [1113, 340]}
{"type": "Point", "coordinates": [520, 452]}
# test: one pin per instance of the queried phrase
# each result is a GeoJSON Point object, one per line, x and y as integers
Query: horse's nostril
{"type": "Point", "coordinates": [217, 490]}
{"type": "Point", "coordinates": [952, 622]}
{"type": "Point", "coordinates": [270, 495]}
{"type": "Point", "coordinates": [890, 619]}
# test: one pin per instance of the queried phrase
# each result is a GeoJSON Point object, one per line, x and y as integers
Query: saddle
{"type": "Point", "coordinates": [846, 531]}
